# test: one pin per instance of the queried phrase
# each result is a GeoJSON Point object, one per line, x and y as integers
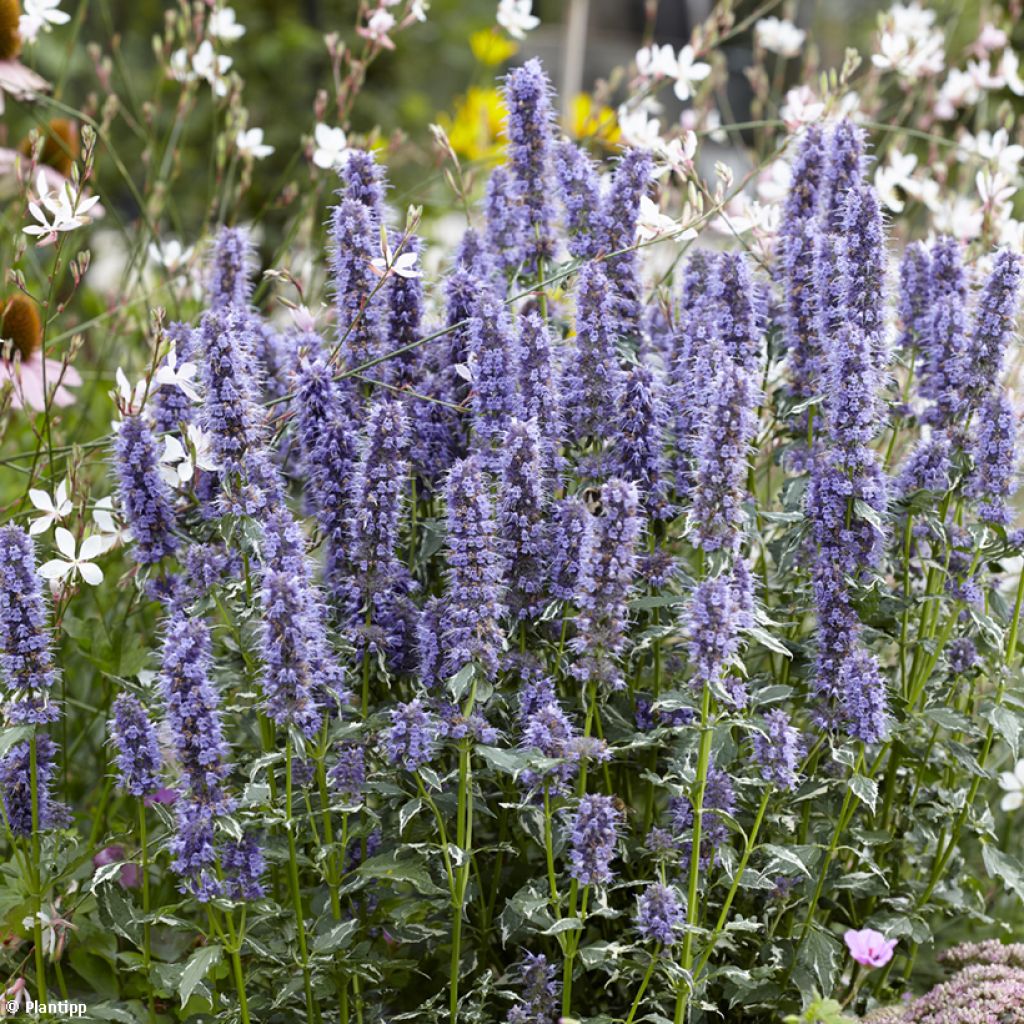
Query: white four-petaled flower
{"type": "Point", "coordinates": [178, 463]}
{"type": "Point", "coordinates": [250, 144]}
{"type": "Point", "coordinates": [53, 509]}
{"type": "Point", "coordinates": [689, 71]}
{"type": "Point", "coordinates": [331, 147]}
{"type": "Point", "coordinates": [37, 16]}
{"type": "Point", "coordinates": [1012, 784]}
{"type": "Point", "coordinates": [223, 25]}
{"type": "Point", "coordinates": [57, 210]}
{"type": "Point", "coordinates": [212, 67]}
{"type": "Point", "coordinates": [404, 265]}
{"type": "Point", "coordinates": [777, 35]}
{"type": "Point", "coordinates": [77, 561]}
{"type": "Point", "coordinates": [171, 375]}
{"type": "Point", "coordinates": [516, 17]}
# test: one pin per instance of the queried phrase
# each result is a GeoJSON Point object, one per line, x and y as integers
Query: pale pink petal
{"type": "Point", "coordinates": [20, 81]}
{"type": "Point", "coordinates": [30, 384]}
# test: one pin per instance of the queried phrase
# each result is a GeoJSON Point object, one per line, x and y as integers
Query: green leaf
{"type": "Point", "coordinates": [397, 866]}
{"type": "Point", "coordinates": [1004, 866]}
{"type": "Point", "coordinates": [1006, 723]}
{"type": "Point", "coordinates": [787, 856]}
{"type": "Point", "coordinates": [865, 790]}
{"type": "Point", "coordinates": [198, 966]}
{"type": "Point", "coordinates": [820, 956]}
{"type": "Point", "coordinates": [511, 762]}
{"type": "Point", "coordinates": [459, 683]}
{"type": "Point", "coordinates": [14, 734]}
{"type": "Point", "coordinates": [766, 639]}
{"type": "Point", "coordinates": [567, 924]}
{"type": "Point", "coordinates": [335, 938]}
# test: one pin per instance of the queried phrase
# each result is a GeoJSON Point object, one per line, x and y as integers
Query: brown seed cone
{"type": "Point", "coordinates": [10, 37]}
{"type": "Point", "coordinates": [21, 324]}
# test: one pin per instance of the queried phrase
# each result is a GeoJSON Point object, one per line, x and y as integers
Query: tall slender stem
{"type": "Point", "coordinates": [293, 875]}
{"type": "Point", "coordinates": [147, 956]}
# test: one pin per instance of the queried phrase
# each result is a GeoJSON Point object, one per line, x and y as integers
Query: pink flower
{"type": "Point", "coordinates": [27, 381]}
{"type": "Point", "coordinates": [129, 877]}
{"type": "Point", "coordinates": [869, 948]}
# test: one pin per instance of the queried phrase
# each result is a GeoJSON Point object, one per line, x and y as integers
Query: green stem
{"type": "Point", "coordinates": [147, 956]}
{"type": "Point", "coordinates": [692, 908]}
{"type": "Point", "coordinates": [643, 985]}
{"type": "Point", "coordinates": [37, 902]}
{"type": "Point", "coordinates": [293, 876]}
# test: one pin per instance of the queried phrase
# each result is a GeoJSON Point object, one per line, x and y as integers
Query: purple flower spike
{"type": "Point", "coordinates": [607, 571]}
{"type": "Point", "coordinates": [659, 915]}
{"type": "Point", "coordinates": [472, 612]}
{"type": "Point", "coordinates": [530, 140]}
{"type": "Point", "coordinates": [138, 751]}
{"type": "Point", "coordinates": [232, 263]}
{"type": "Point", "coordinates": [144, 495]}
{"type": "Point", "coordinates": [522, 521]}
{"type": "Point", "coordinates": [27, 670]}
{"type": "Point", "coordinates": [593, 838]}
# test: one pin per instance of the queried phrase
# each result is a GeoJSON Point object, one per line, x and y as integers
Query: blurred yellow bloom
{"type": "Point", "coordinates": [475, 128]}
{"type": "Point", "coordinates": [593, 122]}
{"type": "Point", "coordinates": [491, 48]}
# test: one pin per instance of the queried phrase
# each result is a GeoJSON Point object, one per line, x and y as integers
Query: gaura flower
{"type": "Point", "coordinates": [57, 210]}
{"type": "Point", "coordinates": [179, 461]}
{"type": "Point", "coordinates": [869, 948]}
{"type": "Point", "coordinates": [22, 362]}
{"type": "Point", "coordinates": [377, 27]}
{"type": "Point", "coordinates": [223, 25]}
{"type": "Point", "coordinates": [250, 144]}
{"type": "Point", "coordinates": [171, 375]}
{"type": "Point", "coordinates": [779, 36]}
{"type": "Point", "coordinates": [1012, 783]}
{"type": "Point", "coordinates": [54, 509]}
{"type": "Point", "coordinates": [39, 16]}
{"type": "Point", "coordinates": [15, 79]}
{"type": "Point", "coordinates": [404, 264]}
{"type": "Point", "coordinates": [689, 71]}
{"type": "Point", "coordinates": [331, 147]}
{"type": "Point", "coordinates": [516, 17]}
{"type": "Point", "coordinates": [74, 563]}
{"type": "Point", "coordinates": [212, 67]}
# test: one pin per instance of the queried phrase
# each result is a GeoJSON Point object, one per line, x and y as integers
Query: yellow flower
{"type": "Point", "coordinates": [491, 48]}
{"type": "Point", "coordinates": [475, 128]}
{"type": "Point", "coordinates": [593, 121]}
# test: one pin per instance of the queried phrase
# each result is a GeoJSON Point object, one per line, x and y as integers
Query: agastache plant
{"type": "Point", "coordinates": [511, 607]}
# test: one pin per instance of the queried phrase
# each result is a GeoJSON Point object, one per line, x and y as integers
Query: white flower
{"type": "Point", "coordinates": [678, 154]}
{"type": "Point", "coordinates": [404, 265]}
{"type": "Point", "coordinates": [127, 398]}
{"type": "Point", "coordinates": [1013, 785]}
{"type": "Point", "coordinates": [180, 67]}
{"type": "Point", "coordinates": [657, 61]}
{"type": "Point", "coordinates": [54, 509]}
{"type": "Point", "coordinates": [58, 210]}
{"type": "Point", "coordinates": [38, 16]}
{"type": "Point", "coordinates": [331, 147]}
{"type": "Point", "coordinates": [895, 174]}
{"type": "Point", "coordinates": [111, 532]}
{"type": "Point", "coordinates": [516, 17]}
{"type": "Point", "coordinates": [250, 144]}
{"type": "Point", "coordinates": [779, 36]}
{"type": "Point", "coordinates": [1009, 71]}
{"type": "Point", "coordinates": [990, 38]}
{"type": "Point", "coordinates": [801, 106]}
{"type": "Point", "coordinates": [960, 217]}
{"type": "Point", "coordinates": [638, 129]}
{"type": "Point", "coordinates": [773, 182]}
{"type": "Point", "coordinates": [994, 148]}
{"type": "Point", "coordinates": [981, 72]}
{"type": "Point", "coordinates": [72, 564]}
{"type": "Point", "coordinates": [651, 222]}
{"type": "Point", "coordinates": [170, 254]}
{"type": "Point", "coordinates": [418, 9]}
{"type": "Point", "coordinates": [222, 25]}
{"type": "Point", "coordinates": [212, 67]}
{"type": "Point", "coordinates": [171, 375]}
{"type": "Point", "coordinates": [178, 464]}
{"type": "Point", "coordinates": [908, 44]}
{"type": "Point", "coordinates": [688, 72]}
{"type": "Point", "coordinates": [995, 191]}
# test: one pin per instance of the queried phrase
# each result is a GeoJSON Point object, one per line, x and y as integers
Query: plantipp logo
{"type": "Point", "coordinates": [63, 1009]}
